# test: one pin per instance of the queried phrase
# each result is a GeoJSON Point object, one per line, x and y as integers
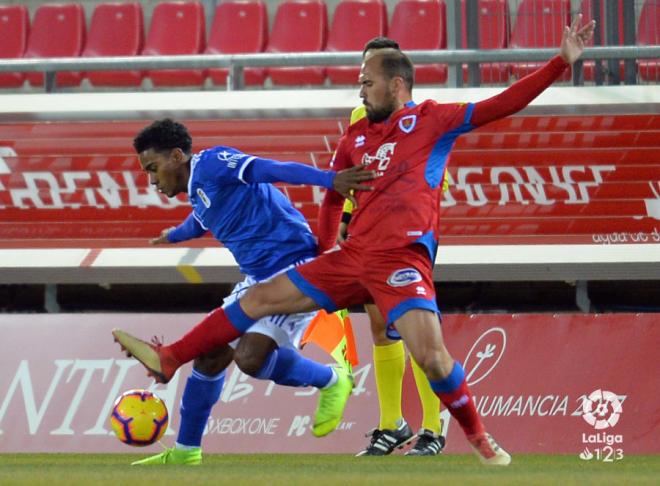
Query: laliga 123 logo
{"type": "Point", "coordinates": [602, 410]}
{"type": "Point", "coordinates": [596, 409]}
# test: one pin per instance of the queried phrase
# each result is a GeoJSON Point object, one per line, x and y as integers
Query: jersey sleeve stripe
{"type": "Point", "coordinates": [201, 223]}
{"type": "Point", "coordinates": [241, 171]}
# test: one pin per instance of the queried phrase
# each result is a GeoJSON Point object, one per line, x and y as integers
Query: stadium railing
{"type": "Point", "coordinates": [467, 23]}
{"type": "Point", "coordinates": [237, 62]}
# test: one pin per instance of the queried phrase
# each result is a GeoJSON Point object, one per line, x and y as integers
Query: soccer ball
{"type": "Point", "coordinates": [139, 418]}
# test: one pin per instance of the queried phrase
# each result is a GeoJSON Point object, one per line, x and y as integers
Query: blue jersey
{"type": "Point", "coordinates": [255, 221]}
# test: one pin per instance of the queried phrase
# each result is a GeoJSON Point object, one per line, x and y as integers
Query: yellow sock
{"type": "Point", "coordinates": [430, 401]}
{"type": "Point", "coordinates": [389, 366]}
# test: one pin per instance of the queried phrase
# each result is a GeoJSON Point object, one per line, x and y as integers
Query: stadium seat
{"type": "Point", "coordinates": [299, 26]}
{"type": "Point", "coordinates": [14, 29]}
{"type": "Point", "coordinates": [239, 26]}
{"type": "Point", "coordinates": [355, 22]}
{"type": "Point", "coordinates": [586, 8]}
{"type": "Point", "coordinates": [493, 27]}
{"type": "Point", "coordinates": [177, 28]}
{"type": "Point", "coordinates": [58, 30]}
{"type": "Point", "coordinates": [117, 29]}
{"type": "Point", "coordinates": [648, 33]}
{"type": "Point", "coordinates": [420, 24]}
{"type": "Point", "coordinates": [539, 23]}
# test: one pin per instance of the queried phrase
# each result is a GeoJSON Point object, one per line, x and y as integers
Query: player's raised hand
{"type": "Point", "coordinates": [574, 39]}
{"type": "Point", "coordinates": [162, 239]}
{"type": "Point", "coordinates": [349, 180]}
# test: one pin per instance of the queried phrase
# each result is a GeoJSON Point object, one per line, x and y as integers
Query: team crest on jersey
{"type": "Point", "coordinates": [403, 277]}
{"type": "Point", "coordinates": [360, 140]}
{"type": "Point", "coordinates": [231, 159]}
{"type": "Point", "coordinates": [203, 197]}
{"type": "Point", "coordinates": [407, 123]}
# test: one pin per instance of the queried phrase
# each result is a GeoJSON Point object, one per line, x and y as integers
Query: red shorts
{"type": "Point", "coordinates": [396, 280]}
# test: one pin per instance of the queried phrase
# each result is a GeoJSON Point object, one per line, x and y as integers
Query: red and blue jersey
{"type": "Point", "coordinates": [410, 151]}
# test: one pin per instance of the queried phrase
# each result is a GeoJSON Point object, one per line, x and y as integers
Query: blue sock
{"type": "Point", "coordinates": [285, 366]}
{"type": "Point", "coordinates": [199, 396]}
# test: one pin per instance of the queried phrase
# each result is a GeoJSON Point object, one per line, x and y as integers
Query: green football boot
{"type": "Point", "coordinates": [174, 456]}
{"type": "Point", "coordinates": [332, 401]}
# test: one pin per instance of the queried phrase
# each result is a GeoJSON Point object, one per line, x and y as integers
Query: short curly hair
{"type": "Point", "coordinates": [163, 135]}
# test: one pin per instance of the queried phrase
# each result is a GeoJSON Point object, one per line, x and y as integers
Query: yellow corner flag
{"type": "Point", "coordinates": [333, 333]}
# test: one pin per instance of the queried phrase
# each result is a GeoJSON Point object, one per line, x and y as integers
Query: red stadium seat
{"type": "Point", "coordinates": [493, 27]}
{"type": "Point", "coordinates": [586, 9]}
{"type": "Point", "coordinates": [420, 24]}
{"type": "Point", "coordinates": [239, 26]}
{"type": "Point", "coordinates": [177, 28]}
{"type": "Point", "coordinates": [14, 29]}
{"type": "Point", "coordinates": [300, 26]}
{"type": "Point", "coordinates": [58, 30]}
{"type": "Point", "coordinates": [117, 29]}
{"type": "Point", "coordinates": [648, 33]}
{"type": "Point", "coordinates": [355, 22]}
{"type": "Point", "coordinates": [539, 23]}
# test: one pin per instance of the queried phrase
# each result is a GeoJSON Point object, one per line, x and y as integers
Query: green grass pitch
{"type": "Point", "coordinates": [317, 469]}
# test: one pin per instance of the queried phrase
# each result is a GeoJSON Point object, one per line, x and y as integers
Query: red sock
{"type": "Point", "coordinates": [214, 330]}
{"type": "Point", "coordinates": [461, 406]}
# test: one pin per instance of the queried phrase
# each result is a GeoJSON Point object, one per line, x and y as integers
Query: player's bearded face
{"type": "Point", "coordinates": [380, 110]}
{"type": "Point", "coordinates": [378, 96]}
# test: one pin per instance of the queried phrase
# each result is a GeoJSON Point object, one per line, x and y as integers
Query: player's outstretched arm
{"type": "Point", "coordinates": [266, 170]}
{"type": "Point", "coordinates": [189, 229]}
{"type": "Point", "coordinates": [521, 93]}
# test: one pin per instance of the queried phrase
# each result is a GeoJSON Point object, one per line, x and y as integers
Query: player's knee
{"type": "Point", "coordinates": [214, 362]}
{"type": "Point", "coordinates": [431, 364]}
{"type": "Point", "coordinates": [252, 352]}
{"type": "Point", "coordinates": [250, 364]}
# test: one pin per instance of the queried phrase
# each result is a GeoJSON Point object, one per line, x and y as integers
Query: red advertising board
{"type": "Point", "coordinates": [534, 378]}
{"type": "Point", "coordinates": [533, 179]}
